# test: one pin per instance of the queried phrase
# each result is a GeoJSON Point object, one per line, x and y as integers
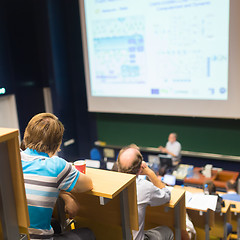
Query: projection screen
{"type": "Point", "coordinates": [162, 57]}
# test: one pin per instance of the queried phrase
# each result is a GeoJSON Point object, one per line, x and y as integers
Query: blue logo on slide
{"type": "Point", "coordinates": [222, 90]}
{"type": "Point", "coordinates": [155, 91]}
{"type": "Point", "coordinates": [212, 91]}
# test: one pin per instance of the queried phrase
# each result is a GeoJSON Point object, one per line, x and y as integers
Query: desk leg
{"type": "Point", "coordinates": [238, 225]}
{"type": "Point", "coordinates": [177, 222]}
{"type": "Point", "coordinates": [225, 226]}
{"type": "Point", "coordinates": [207, 219]}
{"type": "Point", "coordinates": [126, 229]}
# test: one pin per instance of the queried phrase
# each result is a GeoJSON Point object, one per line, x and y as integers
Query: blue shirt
{"type": "Point", "coordinates": [44, 177]}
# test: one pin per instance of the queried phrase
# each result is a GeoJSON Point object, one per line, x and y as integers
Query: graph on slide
{"type": "Point", "coordinates": [119, 50]}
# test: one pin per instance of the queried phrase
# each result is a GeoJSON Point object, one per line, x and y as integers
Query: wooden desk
{"type": "Point", "coordinates": [219, 178]}
{"type": "Point", "coordinates": [172, 214]}
{"type": "Point", "coordinates": [110, 209]}
{"type": "Point", "coordinates": [203, 220]}
{"type": "Point", "coordinates": [235, 216]}
{"type": "Point", "coordinates": [14, 217]}
{"type": "Point", "coordinates": [219, 229]}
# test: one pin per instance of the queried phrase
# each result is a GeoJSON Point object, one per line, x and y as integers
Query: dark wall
{"type": "Point", "coordinates": [6, 76]}
{"type": "Point", "coordinates": [24, 61]}
{"type": "Point", "coordinates": [195, 134]}
{"type": "Point", "coordinates": [68, 89]}
{"type": "Point", "coordinates": [40, 47]}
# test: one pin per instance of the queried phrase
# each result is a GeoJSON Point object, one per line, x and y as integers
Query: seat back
{"type": "Point", "coordinates": [95, 154]}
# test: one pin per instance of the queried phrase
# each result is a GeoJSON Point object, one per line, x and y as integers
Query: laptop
{"type": "Point", "coordinates": [165, 161]}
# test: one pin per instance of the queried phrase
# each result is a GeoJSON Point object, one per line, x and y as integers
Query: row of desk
{"type": "Point", "coordinates": [110, 209]}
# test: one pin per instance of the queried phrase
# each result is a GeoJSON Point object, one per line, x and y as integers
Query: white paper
{"type": "Point", "coordinates": [203, 202]}
{"type": "Point", "coordinates": [93, 163]}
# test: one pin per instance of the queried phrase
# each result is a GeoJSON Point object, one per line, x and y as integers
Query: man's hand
{"type": "Point", "coordinates": [71, 204]}
{"type": "Point", "coordinates": [164, 150]}
{"type": "Point", "coordinates": [160, 148]}
{"type": "Point", "coordinates": [145, 170]}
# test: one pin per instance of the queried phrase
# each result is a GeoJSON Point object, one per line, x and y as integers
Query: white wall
{"type": "Point", "coordinates": [8, 112]}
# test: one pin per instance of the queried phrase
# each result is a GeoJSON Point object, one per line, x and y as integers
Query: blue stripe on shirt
{"type": "Point", "coordinates": [41, 193]}
{"type": "Point", "coordinates": [42, 219]}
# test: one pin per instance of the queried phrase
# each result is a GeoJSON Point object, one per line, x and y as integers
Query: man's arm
{"type": "Point", "coordinates": [83, 184]}
{"type": "Point", "coordinates": [71, 204]}
{"type": "Point", "coordinates": [165, 150]}
{"type": "Point", "coordinates": [145, 170]}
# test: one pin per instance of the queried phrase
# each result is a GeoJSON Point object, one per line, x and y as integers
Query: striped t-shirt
{"type": "Point", "coordinates": [44, 177]}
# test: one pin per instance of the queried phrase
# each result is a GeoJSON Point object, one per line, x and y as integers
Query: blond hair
{"type": "Point", "coordinates": [44, 133]}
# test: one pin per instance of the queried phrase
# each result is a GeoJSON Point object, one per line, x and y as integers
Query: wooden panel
{"type": "Point", "coordinates": [234, 212]}
{"type": "Point", "coordinates": [90, 208]}
{"type": "Point", "coordinates": [18, 183]}
{"type": "Point", "coordinates": [199, 220]}
{"type": "Point", "coordinates": [10, 136]}
{"type": "Point", "coordinates": [133, 209]}
{"type": "Point", "coordinates": [217, 229]}
{"type": "Point", "coordinates": [105, 220]}
{"type": "Point", "coordinates": [165, 214]}
{"type": "Point", "coordinates": [157, 216]}
{"type": "Point", "coordinates": [108, 184]}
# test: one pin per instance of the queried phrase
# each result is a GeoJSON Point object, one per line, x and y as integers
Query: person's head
{"type": "Point", "coordinates": [211, 187]}
{"type": "Point", "coordinates": [172, 137]}
{"type": "Point", "coordinates": [130, 160]}
{"type": "Point", "coordinates": [44, 133]}
{"type": "Point", "coordinates": [231, 185]}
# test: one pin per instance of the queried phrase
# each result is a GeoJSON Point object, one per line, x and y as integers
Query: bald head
{"type": "Point", "coordinates": [129, 160]}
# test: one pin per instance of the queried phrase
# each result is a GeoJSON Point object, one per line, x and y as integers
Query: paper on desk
{"type": "Point", "coordinates": [203, 202]}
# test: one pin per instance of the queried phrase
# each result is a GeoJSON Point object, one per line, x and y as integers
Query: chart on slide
{"type": "Point", "coordinates": [158, 48]}
{"type": "Point", "coordinates": [119, 50]}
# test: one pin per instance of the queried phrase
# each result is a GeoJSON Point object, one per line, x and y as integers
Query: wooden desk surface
{"type": "Point", "coordinates": [236, 209]}
{"type": "Point", "coordinates": [108, 184]}
{"type": "Point", "coordinates": [176, 195]}
{"type": "Point", "coordinates": [189, 189]}
{"type": "Point", "coordinates": [7, 134]}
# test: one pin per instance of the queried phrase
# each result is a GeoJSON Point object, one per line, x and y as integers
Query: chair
{"type": "Point", "coordinates": [95, 154]}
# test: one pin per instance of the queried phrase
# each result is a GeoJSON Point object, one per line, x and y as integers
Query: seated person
{"type": "Point", "coordinates": [45, 175]}
{"type": "Point", "coordinates": [151, 192]}
{"type": "Point", "coordinates": [231, 191]}
{"type": "Point", "coordinates": [173, 149]}
{"type": "Point", "coordinates": [209, 188]}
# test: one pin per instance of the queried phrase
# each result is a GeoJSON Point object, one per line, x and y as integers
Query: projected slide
{"type": "Point", "coordinates": [171, 49]}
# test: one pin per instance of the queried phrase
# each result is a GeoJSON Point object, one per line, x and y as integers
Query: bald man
{"type": "Point", "coordinates": [151, 192]}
